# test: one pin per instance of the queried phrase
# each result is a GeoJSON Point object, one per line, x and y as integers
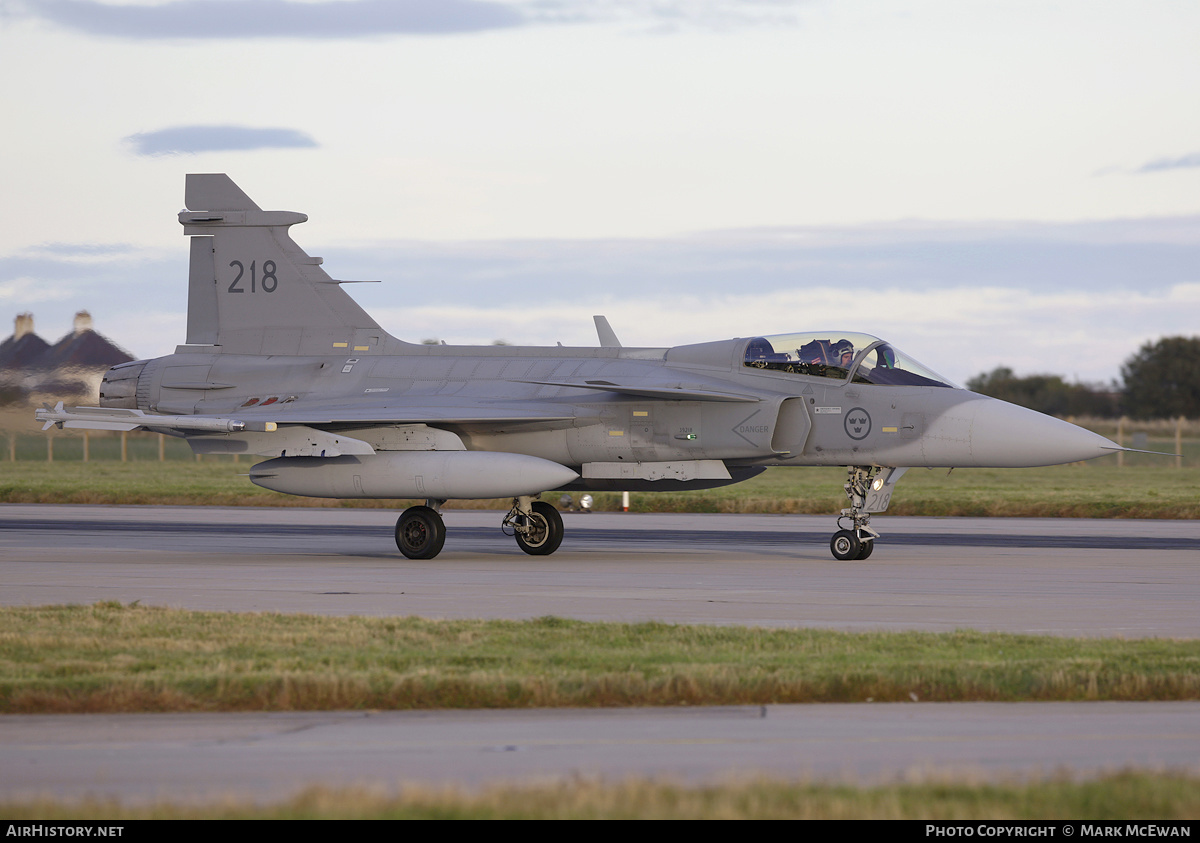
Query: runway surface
{"type": "Point", "coordinates": [1047, 576]}
{"type": "Point", "coordinates": [194, 757]}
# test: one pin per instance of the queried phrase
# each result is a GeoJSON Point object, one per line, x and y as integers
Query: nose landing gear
{"type": "Point", "coordinates": [847, 545]}
{"type": "Point", "coordinates": [868, 491]}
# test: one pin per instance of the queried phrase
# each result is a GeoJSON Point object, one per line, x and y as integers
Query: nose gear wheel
{"type": "Point", "coordinates": [855, 539]}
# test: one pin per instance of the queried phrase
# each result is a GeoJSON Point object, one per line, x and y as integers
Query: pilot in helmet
{"type": "Point", "coordinates": [843, 353]}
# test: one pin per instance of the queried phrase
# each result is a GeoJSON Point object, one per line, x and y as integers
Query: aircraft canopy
{"type": "Point", "coordinates": [841, 356]}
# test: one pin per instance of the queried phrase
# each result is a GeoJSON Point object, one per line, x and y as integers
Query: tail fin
{"type": "Point", "coordinates": [252, 290]}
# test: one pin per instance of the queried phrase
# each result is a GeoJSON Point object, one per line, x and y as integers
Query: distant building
{"type": "Point", "coordinates": [23, 348]}
{"type": "Point", "coordinates": [33, 370]}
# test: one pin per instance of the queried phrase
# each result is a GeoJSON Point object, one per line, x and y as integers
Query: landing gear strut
{"type": "Point", "coordinates": [536, 524]}
{"type": "Point", "coordinates": [420, 531]}
{"type": "Point", "coordinates": [856, 539]}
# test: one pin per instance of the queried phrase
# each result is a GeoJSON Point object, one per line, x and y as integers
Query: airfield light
{"type": "Point", "coordinates": [566, 502]}
{"type": "Point", "coordinates": [585, 503]}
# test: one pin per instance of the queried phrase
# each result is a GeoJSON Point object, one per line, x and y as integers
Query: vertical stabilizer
{"type": "Point", "coordinates": [215, 192]}
{"type": "Point", "coordinates": [252, 290]}
{"type": "Point", "coordinates": [608, 337]}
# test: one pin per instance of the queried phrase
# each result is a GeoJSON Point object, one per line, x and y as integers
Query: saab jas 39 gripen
{"type": "Point", "coordinates": [280, 362]}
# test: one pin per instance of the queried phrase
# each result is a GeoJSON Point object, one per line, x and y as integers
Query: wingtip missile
{"type": "Point", "coordinates": [108, 418]}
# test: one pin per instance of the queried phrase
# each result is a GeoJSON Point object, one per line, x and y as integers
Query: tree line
{"type": "Point", "coordinates": [1161, 380]}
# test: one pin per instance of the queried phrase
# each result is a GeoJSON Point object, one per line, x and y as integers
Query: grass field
{"type": "Point", "coordinates": [1089, 490]}
{"type": "Point", "coordinates": [108, 657]}
{"type": "Point", "coordinates": [111, 658]}
{"type": "Point", "coordinates": [1125, 796]}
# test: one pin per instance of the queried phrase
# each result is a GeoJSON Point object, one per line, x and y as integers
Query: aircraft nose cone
{"type": "Point", "coordinates": [1004, 434]}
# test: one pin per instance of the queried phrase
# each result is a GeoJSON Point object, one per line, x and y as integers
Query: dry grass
{"type": "Point", "coordinates": [1125, 796]}
{"type": "Point", "coordinates": [112, 658]}
{"type": "Point", "coordinates": [1080, 491]}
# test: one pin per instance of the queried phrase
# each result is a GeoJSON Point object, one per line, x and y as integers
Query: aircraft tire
{"type": "Point", "coordinates": [867, 548]}
{"type": "Point", "coordinates": [420, 532]}
{"type": "Point", "coordinates": [547, 531]}
{"type": "Point", "coordinates": [845, 545]}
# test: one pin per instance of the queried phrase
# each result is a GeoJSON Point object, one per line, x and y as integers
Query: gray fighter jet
{"type": "Point", "coordinates": [281, 362]}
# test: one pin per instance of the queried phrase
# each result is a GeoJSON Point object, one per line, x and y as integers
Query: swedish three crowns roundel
{"type": "Point", "coordinates": [858, 423]}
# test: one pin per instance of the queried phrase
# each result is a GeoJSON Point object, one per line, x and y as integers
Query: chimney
{"type": "Point", "coordinates": [23, 326]}
{"type": "Point", "coordinates": [83, 322]}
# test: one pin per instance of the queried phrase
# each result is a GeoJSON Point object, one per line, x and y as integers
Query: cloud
{"type": "Point", "coordinates": [275, 18]}
{"type": "Point", "coordinates": [82, 252]}
{"type": "Point", "coordinates": [1073, 299]}
{"type": "Point", "coordinates": [17, 292]}
{"type": "Point", "coordinates": [193, 139]}
{"type": "Point", "coordinates": [1159, 164]}
{"type": "Point", "coordinates": [666, 15]}
{"type": "Point", "coordinates": [328, 19]}
{"type": "Point", "coordinates": [958, 331]}
{"type": "Point", "coordinates": [759, 264]}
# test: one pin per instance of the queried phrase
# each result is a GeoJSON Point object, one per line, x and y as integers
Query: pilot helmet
{"type": "Point", "coordinates": [842, 348]}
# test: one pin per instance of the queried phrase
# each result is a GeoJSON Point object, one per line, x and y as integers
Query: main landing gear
{"type": "Point", "coordinates": [537, 526]}
{"type": "Point", "coordinates": [856, 539]}
{"type": "Point", "coordinates": [420, 531]}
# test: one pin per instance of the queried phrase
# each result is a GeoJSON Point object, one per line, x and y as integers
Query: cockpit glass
{"type": "Point", "coordinates": [840, 355]}
{"type": "Point", "coordinates": [886, 365]}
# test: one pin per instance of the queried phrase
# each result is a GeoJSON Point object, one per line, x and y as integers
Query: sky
{"type": "Point", "coordinates": [982, 183]}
